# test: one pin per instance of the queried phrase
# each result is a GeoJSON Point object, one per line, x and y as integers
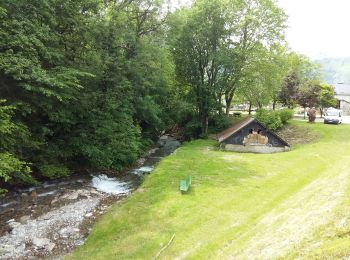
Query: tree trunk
{"type": "Point", "coordinates": [250, 108]}
{"type": "Point", "coordinates": [274, 105]}
{"type": "Point", "coordinates": [321, 112]}
{"type": "Point", "coordinates": [304, 112]}
{"type": "Point", "coordinates": [205, 126]}
{"type": "Point", "coordinates": [228, 101]}
{"type": "Point", "coordinates": [220, 105]}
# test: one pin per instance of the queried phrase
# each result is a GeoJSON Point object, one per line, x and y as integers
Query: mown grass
{"type": "Point", "coordinates": [230, 195]}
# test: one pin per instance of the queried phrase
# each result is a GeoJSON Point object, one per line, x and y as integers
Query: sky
{"type": "Point", "coordinates": [318, 27]}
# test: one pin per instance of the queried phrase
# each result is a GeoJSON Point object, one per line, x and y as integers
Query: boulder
{"type": "Point", "coordinates": [14, 224]}
{"type": "Point", "coordinates": [41, 242]}
{"type": "Point", "coordinates": [24, 219]}
{"type": "Point", "coordinates": [49, 247]}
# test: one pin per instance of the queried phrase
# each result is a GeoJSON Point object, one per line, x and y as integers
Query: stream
{"type": "Point", "coordinates": [51, 219]}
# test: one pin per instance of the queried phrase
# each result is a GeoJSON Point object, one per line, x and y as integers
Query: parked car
{"type": "Point", "coordinates": [333, 116]}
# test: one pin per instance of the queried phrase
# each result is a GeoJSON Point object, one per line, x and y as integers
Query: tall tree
{"type": "Point", "coordinates": [309, 94]}
{"type": "Point", "coordinates": [327, 98]}
{"type": "Point", "coordinates": [300, 72]}
{"type": "Point", "coordinates": [254, 23]}
{"type": "Point", "coordinates": [263, 76]}
{"type": "Point", "coordinates": [89, 80]}
{"type": "Point", "coordinates": [196, 54]}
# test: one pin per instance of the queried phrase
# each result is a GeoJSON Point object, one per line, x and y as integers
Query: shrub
{"type": "Point", "coordinates": [14, 170]}
{"type": "Point", "coordinates": [285, 115]}
{"type": "Point", "coordinates": [54, 171]}
{"type": "Point", "coordinates": [271, 119]}
{"type": "Point", "coordinates": [218, 123]}
{"type": "Point", "coordinates": [2, 192]}
{"type": "Point", "coordinates": [192, 130]}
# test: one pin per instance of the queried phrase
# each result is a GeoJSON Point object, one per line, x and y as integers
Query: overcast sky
{"type": "Point", "coordinates": [318, 26]}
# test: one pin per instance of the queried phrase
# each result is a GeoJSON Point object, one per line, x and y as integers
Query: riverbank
{"type": "Point", "coordinates": [55, 217]}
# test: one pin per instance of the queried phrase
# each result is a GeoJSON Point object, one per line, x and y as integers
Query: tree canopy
{"type": "Point", "coordinates": [92, 83]}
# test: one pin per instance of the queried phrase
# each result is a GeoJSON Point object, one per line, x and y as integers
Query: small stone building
{"type": "Point", "coordinates": [251, 136]}
{"type": "Point", "coordinates": [342, 94]}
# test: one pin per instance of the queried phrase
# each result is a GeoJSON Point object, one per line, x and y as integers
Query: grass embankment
{"type": "Point", "coordinates": [240, 206]}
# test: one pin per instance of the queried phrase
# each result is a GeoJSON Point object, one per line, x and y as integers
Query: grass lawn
{"type": "Point", "coordinates": [240, 206]}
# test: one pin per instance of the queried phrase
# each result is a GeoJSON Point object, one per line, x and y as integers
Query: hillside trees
{"type": "Point", "coordinates": [88, 80]}
{"type": "Point", "coordinates": [216, 47]}
{"type": "Point", "coordinates": [40, 45]}
{"type": "Point", "coordinates": [92, 83]}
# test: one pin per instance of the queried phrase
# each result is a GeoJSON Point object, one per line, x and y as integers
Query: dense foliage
{"type": "Point", "coordinates": [92, 83]}
{"type": "Point", "coordinates": [274, 119]}
{"type": "Point", "coordinates": [286, 115]}
{"type": "Point", "coordinates": [85, 83]}
{"type": "Point", "coordinates": [12, 135]}
{"type": "Point", "coordinates": [219, 45]}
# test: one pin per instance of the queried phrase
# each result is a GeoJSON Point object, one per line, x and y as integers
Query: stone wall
{"type": "Point", "coordinates": [255, 148]}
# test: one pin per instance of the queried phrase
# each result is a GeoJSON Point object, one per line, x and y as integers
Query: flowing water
{"type": "Point", "coordinates": [34, 202]}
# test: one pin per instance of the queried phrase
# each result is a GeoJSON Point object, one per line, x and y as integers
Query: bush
{"type": "Point", "coordinates": [2, 192]}
{"type": "Point", "coordinates": [285, 115]}
{"type": "Point", "coordinates": [192, 130]}
{"type": "Point", "coordinates": [14, 170]}
{"type": "Point", "coordinates": [218, 123]}
{"type": "Point", "coordinates": [271, 119]}
{"type": "Point", "coordinates": [54, 171]}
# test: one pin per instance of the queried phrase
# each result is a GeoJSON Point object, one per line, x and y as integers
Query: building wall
{"type": "Point", "coordinates": [344, 105]}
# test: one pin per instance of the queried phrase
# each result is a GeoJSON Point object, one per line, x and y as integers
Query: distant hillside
{"type": "Point", "coordinates": [335, 69]}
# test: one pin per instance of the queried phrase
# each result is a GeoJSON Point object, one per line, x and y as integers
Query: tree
{"type": "Point", "coordinates": [41, 46]}
{"type": "Point", "coordinates": [11, 167]}
{"type": "Point", "coordinates": [196, 54]}
{"type": "Point", "coordinates": [88, 78]}
{"type": "Point", "coordinates": [309, 94]}
{"type": "Point", "coordinates": [289, 90]}
{"type": "Point", "coordinates": [263, 76]}
{"type": "Point", "coordinates": [255, 23]}
{"type": "Point", "coordinates": [300, 71]}
{"type": "Point", "coordinates": [327, 98]}
{"type": "Point", "coordinates": [216, 48]}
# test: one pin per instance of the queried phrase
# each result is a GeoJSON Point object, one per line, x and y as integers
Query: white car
{"type": "Point", "coordinates": [333, 116]}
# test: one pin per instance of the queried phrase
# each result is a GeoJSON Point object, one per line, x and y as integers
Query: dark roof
{"type": "Point", "coordinates": [237, 127]}
{"type": "Point", "coordinates": [342, 89]}
{"type": "Point", "coordinates": [233, 129]}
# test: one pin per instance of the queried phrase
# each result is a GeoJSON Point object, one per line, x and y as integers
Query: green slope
{"type": "Point", "coordinates": [240, 206]}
